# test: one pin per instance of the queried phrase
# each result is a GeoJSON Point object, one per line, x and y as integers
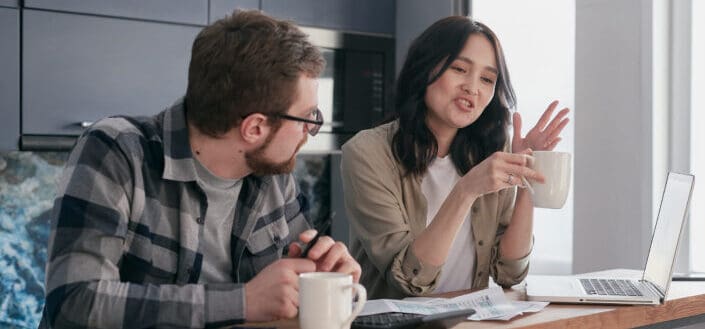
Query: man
{"type": "Point", "coordinates": [181, 219]}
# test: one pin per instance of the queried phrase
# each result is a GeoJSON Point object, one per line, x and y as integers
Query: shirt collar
{"type": "Point", "coordinates": [179, 163]}
{"type": "Point", "coordinates": [178, 160]}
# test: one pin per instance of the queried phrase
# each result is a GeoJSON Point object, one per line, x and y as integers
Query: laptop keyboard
{"type": "Point", "coordinates": [610, 287]}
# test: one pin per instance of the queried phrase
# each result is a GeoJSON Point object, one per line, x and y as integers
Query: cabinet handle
{"type": "Point", "coordinates": [85, 124]}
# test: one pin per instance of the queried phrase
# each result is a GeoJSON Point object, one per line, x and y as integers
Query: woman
{"type": "Point", "coordinates": [431, 196]}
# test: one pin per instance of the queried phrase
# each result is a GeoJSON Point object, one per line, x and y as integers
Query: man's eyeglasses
{"type": "Point", "coordinates": [313, 125]}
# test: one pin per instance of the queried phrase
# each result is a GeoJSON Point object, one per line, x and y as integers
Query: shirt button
{"type": "Point", "coordinates": [474, 210]}
{"type": "Point", "coordinates": [200, 220]}
{"type": "Point", "coordinates": [415, 271]}
{"type": "Point", "coordinates": [276, 239]}
{"type": "Point", "coordinates": [189, 271]}
{"type": "Point", "coordinates": [480, 242]}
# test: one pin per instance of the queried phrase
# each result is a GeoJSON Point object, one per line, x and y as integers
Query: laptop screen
{"type": "Point", "coordinates": [664, 243]}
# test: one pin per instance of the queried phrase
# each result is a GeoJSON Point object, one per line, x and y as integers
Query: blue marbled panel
{"type": "Point", "coordinates": [312, 174]}
{"type": "Point", "coordinates": [27, 190]}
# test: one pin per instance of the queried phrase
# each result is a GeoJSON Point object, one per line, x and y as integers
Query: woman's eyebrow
{"type": "Point", "coordinates": [471, 62]}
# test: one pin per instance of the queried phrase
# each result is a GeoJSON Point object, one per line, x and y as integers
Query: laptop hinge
{"type": "Point", "coordinates": [655, 290]}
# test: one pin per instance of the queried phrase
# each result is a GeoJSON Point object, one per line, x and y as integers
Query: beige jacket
{"type": "Point", "coordinates": [387, 211]}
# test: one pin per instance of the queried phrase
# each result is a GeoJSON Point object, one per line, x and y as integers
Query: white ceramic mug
{"type": "Point", "coordinates": [555, 166]}
{"type": "Point", "coordinates": [326, 300]}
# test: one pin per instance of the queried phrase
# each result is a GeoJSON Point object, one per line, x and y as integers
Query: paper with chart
{"type": "Point", "coordinates": [489, 304]}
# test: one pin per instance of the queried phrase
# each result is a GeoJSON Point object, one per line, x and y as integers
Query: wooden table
{"type": "Point", "coordinates": [686, 299]}
{"type": "Point", "coordinates": [685, 304]}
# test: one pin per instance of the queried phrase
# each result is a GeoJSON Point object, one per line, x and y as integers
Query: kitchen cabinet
{"type": "Point", "coordinates": [220, 8]}
{"type": "Point", "coordinates": [8, 3]}
{"type": "Point", "coordinates": [370, 16]}
{"type": "Point", "coordinates": [78, 68]}
{"type": "Point", "coordinates": [81, 61]}
{"type": "Point", "coordinates": [9, 78]}
{"type": "Point", "coordinates": [176, 11]}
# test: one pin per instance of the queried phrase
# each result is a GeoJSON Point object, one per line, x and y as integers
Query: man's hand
{"type": "Point", "coordinates": [274, 292]}
{"type": "Point", "coordinates": [329, 256]}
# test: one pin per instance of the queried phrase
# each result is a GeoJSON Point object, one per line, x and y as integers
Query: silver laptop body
{"type": "Point", "coordinates": [656, 278]}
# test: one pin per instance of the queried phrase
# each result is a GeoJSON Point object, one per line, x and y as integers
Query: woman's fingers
{"type": "Point", "coordinates": [557, 121]}
{"type": "Point", "coordinates": [516, 121]}
{"type": "Point", "coordinates": [553, 144]}
{"type": "Point", "coordinates": [518, 165]}
{"type": "Point", "coordinates": [524, 171]}
{"type": "Point", "coordinates": [546, 116]}
{"type": "Point", "coordinates": [522, 158]}
{"type": "Point", "coordinates": [552, 135]}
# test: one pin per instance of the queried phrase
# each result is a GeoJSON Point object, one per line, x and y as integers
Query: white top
{"type": "Point", "coordinates": [457, 271]}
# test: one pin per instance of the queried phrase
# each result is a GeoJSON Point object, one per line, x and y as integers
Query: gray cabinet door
{"type": "Point", "coordinates": [220, 8]}
{"type": "Point", "coordinates": [372, 16]}
{"type": "Point", "coordinates": [8, 3]}
{"type": "Point", "coordinates": [178, 11]}
{"type": "Point", "coordinates": [9, 78]}
{"type": "Point", "coordinates": [79, 68]}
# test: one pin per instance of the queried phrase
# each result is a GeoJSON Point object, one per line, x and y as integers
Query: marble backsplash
{"type": "Point", "coordinates": [27, 191]}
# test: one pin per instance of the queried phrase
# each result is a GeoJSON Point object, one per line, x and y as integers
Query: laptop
{"type": "Point", "coordinates": [656, 278]}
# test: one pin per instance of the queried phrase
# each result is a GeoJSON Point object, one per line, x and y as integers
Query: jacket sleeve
{"type": "Point", "coordinates": [373, 199]}
{"type": "Point", "coordinates": [507, 272]}
{"type": "Point", "coordinates": [90, 224]}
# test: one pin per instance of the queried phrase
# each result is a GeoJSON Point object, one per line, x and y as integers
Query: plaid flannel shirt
{"type": "Point", "coordinates": [127, 227]}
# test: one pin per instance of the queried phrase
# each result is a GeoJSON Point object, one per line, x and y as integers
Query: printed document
{"type": "Point", "coordinates": [489, 304]}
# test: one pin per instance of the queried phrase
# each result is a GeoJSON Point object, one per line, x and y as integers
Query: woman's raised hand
{"type": "Point", "coordinates": [544, 136]}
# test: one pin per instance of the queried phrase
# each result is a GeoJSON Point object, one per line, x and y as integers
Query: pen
{"type": "Point", "coordinates": [313, 241]}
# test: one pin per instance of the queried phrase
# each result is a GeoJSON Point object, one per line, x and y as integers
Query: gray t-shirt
{"type": "Point", "coordinates": [221, 194]}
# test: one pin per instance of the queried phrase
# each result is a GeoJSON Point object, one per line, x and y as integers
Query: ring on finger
{"type": "Point", "coordinates": [509, 178]}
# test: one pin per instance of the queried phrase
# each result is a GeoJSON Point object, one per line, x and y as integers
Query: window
{"type": "Point", "coordinates": [686, 81]}
{"type": "Point", "coordinates": [538, 38]}
{"type": "Point", "coordinates": [697, 136]}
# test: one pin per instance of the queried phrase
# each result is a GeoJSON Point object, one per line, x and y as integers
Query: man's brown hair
{"type": "Point", "coordinates": [246, 63]}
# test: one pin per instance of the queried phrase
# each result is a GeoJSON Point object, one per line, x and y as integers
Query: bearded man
{"type": "Point", "coordinates": [186, 219]}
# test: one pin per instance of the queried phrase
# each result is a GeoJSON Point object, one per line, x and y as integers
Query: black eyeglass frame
{"type": "Point", "coordinates": [317, 123]}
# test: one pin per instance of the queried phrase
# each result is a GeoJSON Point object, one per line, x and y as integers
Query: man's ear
{"type": "Point", "coordinates": [254, 128]}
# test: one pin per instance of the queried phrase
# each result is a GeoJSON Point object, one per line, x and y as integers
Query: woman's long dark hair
{"type": "Point", "coordinates": [414, 145]}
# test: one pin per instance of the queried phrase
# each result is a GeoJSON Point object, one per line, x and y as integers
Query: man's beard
{"type": "Point", "coordinates": [261, 166]}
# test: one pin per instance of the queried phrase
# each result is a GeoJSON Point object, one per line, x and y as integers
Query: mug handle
{"type": "Point", "coordinates": [361, 294]}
